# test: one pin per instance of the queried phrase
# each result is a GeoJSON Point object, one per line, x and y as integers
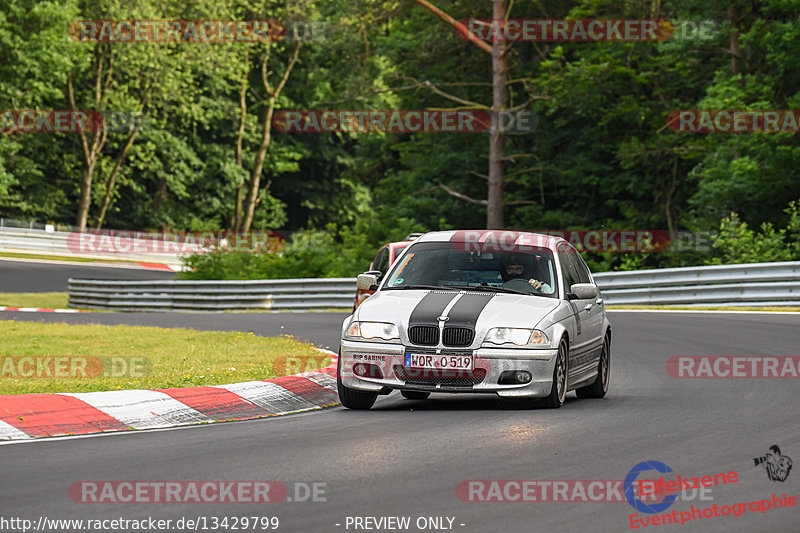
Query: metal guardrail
{"type": "Point", "coordinates": [699, 275]}
{"type": "Point", "coordinates": [33, 224]}
{"type": "Point", "coordinates": [56, 243]}
{"type": "Point", "coordinates": [728, 285]}
{"type": "Point", "coordinates": [270, 295]}
{"type": "Point", "coordinates": [744, 284]}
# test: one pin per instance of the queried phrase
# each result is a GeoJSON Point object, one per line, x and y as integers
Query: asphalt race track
{"type": "Point", "coordinates": [322, 329]}
{"type": "Point", "coordinates": [26, 276]}
{"type": "Point", "coordinates": [405, 458]}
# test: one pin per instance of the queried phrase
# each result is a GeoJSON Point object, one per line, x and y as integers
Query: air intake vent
{"type": "Point", "coordinates": [431, 377]}
{"type": "Point", "coordinates": [458, 336]}
{"type": "Point", "coordinates": [424, 335]}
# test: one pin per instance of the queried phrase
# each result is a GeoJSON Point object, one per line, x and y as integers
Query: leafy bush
{"type": "Point", "coordinates": [346, 252]}
{"type": "Point", "coordinates": [334, 253]}
{"type": "Point", "coordinates": [736, 243]}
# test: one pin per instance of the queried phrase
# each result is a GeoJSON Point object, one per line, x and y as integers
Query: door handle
{"type": "Point", "coordinates": [588, 307]}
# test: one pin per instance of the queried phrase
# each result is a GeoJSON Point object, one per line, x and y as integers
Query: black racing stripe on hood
{"type": "Point", "coordinates": [430, 308]}
{"type": "Point", "coordinates": [466, 311]}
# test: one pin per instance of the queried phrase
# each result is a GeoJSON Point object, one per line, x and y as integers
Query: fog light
{"type": "Point", "coordinates": [366, 370]}
{"type": "Point", "coordinates": [523, 376]}
{"type": "Point", "coordinates": [514, 377]}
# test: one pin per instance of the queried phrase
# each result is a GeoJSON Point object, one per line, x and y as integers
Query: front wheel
{"type": "Point", "coordinates": [415, 395]}
{"type": "Point", "coordinates": [351, 398]}
{"type": "Point", "coordinates": [558, 392]}
{"type": "Point", "coordinates": [599, 388]}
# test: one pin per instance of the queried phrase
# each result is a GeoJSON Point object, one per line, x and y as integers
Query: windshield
{"type": "Point", "coordinates": [446, 265]}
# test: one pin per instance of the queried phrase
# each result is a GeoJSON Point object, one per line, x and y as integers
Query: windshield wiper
{"type": "Point", "coordinates": [490, 288]}
{"type": "Point", "coordinates": [418, 287]}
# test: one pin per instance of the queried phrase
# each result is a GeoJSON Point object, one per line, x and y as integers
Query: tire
{"type": "Point", "coordinates": [599, 388]}
{"type": "Point", "coordinates": [558, 391]}
{"type": "Point", "coordinates": [415, 395]}
{"type": "Point", "coordinates": [350, 398]}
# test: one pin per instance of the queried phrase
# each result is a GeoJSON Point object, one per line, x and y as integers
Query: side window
{"type": "Point", "coordinates": [378, 263]}
{"type": "Point", "coordinates": [568, 271]}
{"type": "Point", "coordinates": [383, 262]}
{"type": "Point", "coordinates": [580, 268]}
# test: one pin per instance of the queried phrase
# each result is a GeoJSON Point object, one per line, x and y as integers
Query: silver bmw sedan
{"type": "Point", "coordinates": [512, 313]}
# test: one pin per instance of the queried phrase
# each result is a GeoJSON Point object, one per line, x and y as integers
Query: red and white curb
{"type": "Point", "coordinates": [161, 266]}
{"type": "Point", "coordinates": [28, 416]}
{"type": "Point", "coordinates": [42, 310]}
{"type": "Point", "coordinates": [94, 261]}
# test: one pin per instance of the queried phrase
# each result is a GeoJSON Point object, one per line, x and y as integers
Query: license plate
{"type": "Point", "coordinates": [438, 361]}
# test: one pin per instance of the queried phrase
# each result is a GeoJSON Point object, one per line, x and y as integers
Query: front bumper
{"type": "Point", "coordinates": [492, 361]}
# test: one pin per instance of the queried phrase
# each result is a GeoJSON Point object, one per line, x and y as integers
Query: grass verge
{"type": "Point", "coordinates": [47, 300]}
{"type": "Point", "coordinates": [59, 300]}
{"type": "Point", "coordinates": [84, 358]}
{"type": "Point", "coordinates": [704, 308]}
{"type": "Point", "coordinates": [49, 257]}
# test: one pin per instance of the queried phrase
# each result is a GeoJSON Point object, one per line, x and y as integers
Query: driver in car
{"type": "Point", "coordinates": [513, 266]}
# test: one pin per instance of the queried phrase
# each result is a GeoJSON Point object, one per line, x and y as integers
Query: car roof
{"type": "Point", "coordinates": [481, 236]}
{"type": "Point", "coordinates": [405, 242]}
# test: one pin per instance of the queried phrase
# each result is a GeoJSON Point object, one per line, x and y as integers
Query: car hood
{"type": "Point", "coordinates": [478, 310]}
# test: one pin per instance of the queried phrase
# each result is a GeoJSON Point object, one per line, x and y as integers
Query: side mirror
{"type": "Point", "coordinates": [368, 281]}
{"type": "Point", "coordinates": [582, 291]}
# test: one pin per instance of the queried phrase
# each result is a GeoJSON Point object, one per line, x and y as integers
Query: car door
{"type": "Point", "coordinates": [582, 351]}
{"type": "Point", "coordinates": [591, 311]}
{"type": "Point", "coordinates": [568, 277]}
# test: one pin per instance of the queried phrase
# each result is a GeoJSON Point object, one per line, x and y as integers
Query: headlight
{"type": "Point", "coordinates": [373, 330]}
{"type": "Point", "coordinates": [517, 336]}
